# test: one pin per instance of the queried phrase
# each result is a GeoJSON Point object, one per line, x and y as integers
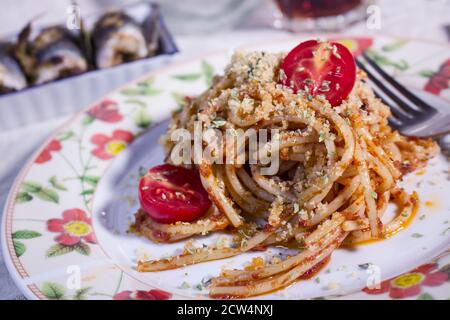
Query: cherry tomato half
{"type": "Point", "coordinates": [326, 68]}
{"type": "Point", "coordinates": [169, 194]}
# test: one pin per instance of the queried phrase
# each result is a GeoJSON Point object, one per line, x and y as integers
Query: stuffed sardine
{"type": "Point", "coordinates": [117, 38]}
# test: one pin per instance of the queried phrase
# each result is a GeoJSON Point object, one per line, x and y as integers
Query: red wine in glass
{"type": "Point", "coordinates": [324, 15]}
{"type": "Point", "coordinates": [316, 8]}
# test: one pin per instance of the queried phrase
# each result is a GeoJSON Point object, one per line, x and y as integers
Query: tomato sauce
{"type": "Point", "coordinates": [390, 234]}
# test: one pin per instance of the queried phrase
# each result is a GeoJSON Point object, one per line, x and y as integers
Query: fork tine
{"type": "Point", "coordinates": [405, 92]}
{"type": "Point", "coordinates": [393, 122]}
{"type": "Point", "coordinates": [397, 114]}
{"type": "Point", "coordinates": [397, 119]}
{"type": "Point", "coordinates": [398, 109]}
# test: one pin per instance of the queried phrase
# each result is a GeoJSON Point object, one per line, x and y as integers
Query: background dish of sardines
{"type": "Point", "coordinates": [38, 56]}
{"type": "Point", "coordinates": [71, 68]}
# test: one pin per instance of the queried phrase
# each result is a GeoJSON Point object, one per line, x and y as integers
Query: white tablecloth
{"type": "Point", "coordinates": [408, 18]}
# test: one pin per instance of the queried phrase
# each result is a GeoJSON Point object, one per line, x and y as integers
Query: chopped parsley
{"type": "Point", "coordinates": [199, 287]}
{"type": "Point", "coordinates": [282, 75]}
{"type": "Point", "coordinates": [142, 171]}
{"type": "Point", "coordinates": [335, 53]}
{"type": "Point", "coordinates": [218, 122]}
{"type": "Point", "coordinates": [365, 266]}
{"type": "Point", "coordinates": [206, 281]}
{"type": "Point", "coordinates": [322, 136]}
{"type": "Point", "coordinates": [325, 86]}
{"type": "Point", "coordinates": [321, 97]}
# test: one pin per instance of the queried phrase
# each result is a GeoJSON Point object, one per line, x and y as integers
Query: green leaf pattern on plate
{"type": "Point", "coordinates": [47, 195]}
{"type": "Point", "coordinates": [23, 197]}
{"type": "Point", "coordinates": [188, 76]}
{"type": "Point", "coordinates": [53, 290]}
{"type": "Point", "coordinates": [59, 250]}
{"type": "Point", "coordinates": [19, 246]}
{"type": "Point", "coordinates": [30, 188]}
{"type": "Point", "coordinates": [393, 46]}
{"type": "Point", "coordinates": [56, 184]}
{"type": "Point", "coordinates": [142, 118]}
{"type": "Point", "coordinates": [83, 248]}
{"type": "Point", "coordinates": [383, 60]}
{"type": "Point", "coordinates": [26, 234]}
{"type": "Point", "coordinates": [92, 180]}
{"type": "Point", "coordinates": [207, 73]}
{"type": "Point", "coordinates": [142, 88]}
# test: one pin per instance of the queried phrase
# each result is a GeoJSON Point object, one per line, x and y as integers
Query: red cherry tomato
{"type": "Point", "coordinates": [326, 68]}
{"type": "Point", "coordinates": [169, 194]}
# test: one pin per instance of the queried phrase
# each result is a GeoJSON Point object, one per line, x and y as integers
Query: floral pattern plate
{"type": "Point", "coordinates": [64, 232]}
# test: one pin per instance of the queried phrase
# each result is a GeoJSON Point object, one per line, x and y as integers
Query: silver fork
{"type": "Point", "coordinates": [411, 115]}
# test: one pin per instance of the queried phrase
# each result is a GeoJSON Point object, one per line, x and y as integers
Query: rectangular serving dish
{"type": "Point", "coordinates": [68, 95]}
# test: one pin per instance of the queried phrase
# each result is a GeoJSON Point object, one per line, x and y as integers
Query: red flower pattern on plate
{"type": "Point", "coordinates": [106, 111]}
{"type": "Point", "coordinates": [110, 146]}
{"type": "Point", "coordinates": [74, 227]}
{"type": "Point", "coordinates": [440, 80]}
{"type": "Point", "coordinates": [410, 284]}
{"type": "Point", "coordinates": [46, 154]}
{"type": "Point", "coordinates": [154, 294]}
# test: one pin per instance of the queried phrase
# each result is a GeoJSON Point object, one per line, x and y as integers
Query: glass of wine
{"type": "Point", "coordinates": [318, 15]}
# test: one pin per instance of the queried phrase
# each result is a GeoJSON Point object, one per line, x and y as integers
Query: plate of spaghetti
{"type": "Point", "coordinates": [269, 173]}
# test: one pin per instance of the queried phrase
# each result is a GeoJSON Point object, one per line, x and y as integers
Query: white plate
{"type": "Point", "coordinates": [89, 254]}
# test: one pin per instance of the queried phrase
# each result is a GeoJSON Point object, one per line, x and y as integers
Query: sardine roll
{"type": "Point", "coordinates": [11, 75]}
{"type": "Point", "coordinates": [57, 54]}
{"type": "Point", "coordinates": [117, 38]}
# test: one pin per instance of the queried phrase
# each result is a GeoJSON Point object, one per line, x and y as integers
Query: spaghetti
{"type": "Point", "coordinates": [339, 168]}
